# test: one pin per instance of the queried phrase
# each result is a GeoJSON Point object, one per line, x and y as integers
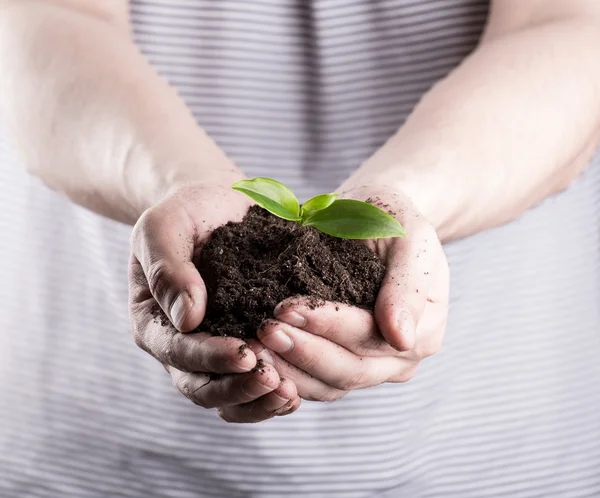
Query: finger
{"type": "Point", "coordinates": [209, 391]}
{"type": "Point", "coordinates": [312, 389]}
{"type": "Point", "coordinates": [350, 327]}
{"type": "Point", "coordinates": [197, 352]}
{"type": "Point", "coordinates": [290, 408]}
{"type": "Point", "coordinates": [163, 244]}
{"type": "Point", "coordinates": [283, 401]}
{"type": "Point", "coordinates": [326, 361]}
{"type": "Point", "coordinates": [406, 285]}
{"type": "Point", "coordinates": [308, 387]}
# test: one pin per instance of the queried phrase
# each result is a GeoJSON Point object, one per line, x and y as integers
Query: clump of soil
{"type": "Point", "coordinates": [251, 266]}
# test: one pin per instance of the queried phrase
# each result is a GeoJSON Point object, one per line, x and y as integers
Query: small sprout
{"type": "Point", "coordinates": [343, 218]}
{"type": "Point", "coordinates": [271, 195]}
{"type": "Point", "coordinates": [317, 203]}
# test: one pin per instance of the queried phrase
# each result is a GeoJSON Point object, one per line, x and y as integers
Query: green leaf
{"type": "Point", "coordinates": [350, 219]}
{"type": "Point", "coordinates": [271, 195]}
{"type": "Point", "coordinates": [317, 203]}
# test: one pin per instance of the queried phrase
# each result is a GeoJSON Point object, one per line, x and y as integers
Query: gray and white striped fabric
{"type": "Point", "coordinates": [304, 91]}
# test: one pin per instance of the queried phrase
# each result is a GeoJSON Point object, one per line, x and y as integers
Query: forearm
{"type": "Point", "coordinates": [90, 116]}
{"type": "Point", "coordinates": [517, 121]}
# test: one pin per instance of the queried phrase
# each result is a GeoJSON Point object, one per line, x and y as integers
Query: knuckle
{"type": "Point", "coordinates": [405, 375]}
{"type": "Point", "coordinates": [174, 352]}
{"type": "Point", "coordinates": [356, 380]}
{"type": "Point", "coordinates": [157, 276]}
{"type": "Point", "coordinates": [138, 335]}
{"type": "Point", "coordinates": [191, 386]}
{"type": "Point", "coordinates": [369, 344]}
{"type": "Point", "coordinates": [136, 279]}
{"type": "Point", "coordinates": [329, 325]}
{"type": "Point", "coordinates": [307, 361]}
{"type": "Point", "coordinates": [346, 383]}
{"type": "Point", "coordinates": [429, 348]}
{"type": "Point", "coordinates": [182, 382]}
{"type": "Point", "coordinates": [149, 219]}
{"type": "Point", "coordinates": [137, 232]}
{"type": "Point", "coordinates": [144, 225]}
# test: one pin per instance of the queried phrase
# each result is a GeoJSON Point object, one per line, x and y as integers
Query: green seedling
{"type": "Point", "coordinates": [343, 218]}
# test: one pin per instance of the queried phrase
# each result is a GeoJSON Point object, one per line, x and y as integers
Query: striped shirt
{"type": "Point", "coordinates": [303, 91]}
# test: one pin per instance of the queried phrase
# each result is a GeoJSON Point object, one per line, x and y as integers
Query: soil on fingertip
{"type": "Point", "coordinates": [251, 266]}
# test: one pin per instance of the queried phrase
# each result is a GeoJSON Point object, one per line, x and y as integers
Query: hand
{"type": "Point", "coordinates": [168, 299]}
{"type": "Point", "coordinates": [335, 348]}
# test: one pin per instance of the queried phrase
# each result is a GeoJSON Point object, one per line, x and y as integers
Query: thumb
{"type": "Point", "coordinates": [403, 293]}
{"type": "Point", "coordinates": [163, 243]}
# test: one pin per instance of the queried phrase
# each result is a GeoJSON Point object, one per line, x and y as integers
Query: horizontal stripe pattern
{"type": "Point", "coordinates": [303, 91]}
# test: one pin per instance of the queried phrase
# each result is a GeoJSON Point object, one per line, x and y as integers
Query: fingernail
{"type": "Point", "coordinates": [284, 410]}
{"type": "Point", "coordinates": [254, 389]}
{"type": "Point", "coordinates": [283, 401]}
{"type": "Point", "coordinates": [179, 309]}
{"type": "Point", "coordinates": [278, 341]}
{"type": "Point", "coordinates": [292, 318]}
{"type": "Point", "coordinates": [265, 356]}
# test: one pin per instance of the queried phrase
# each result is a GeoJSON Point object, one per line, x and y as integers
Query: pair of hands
{"type": "Point", "coordinates": [314, 354]}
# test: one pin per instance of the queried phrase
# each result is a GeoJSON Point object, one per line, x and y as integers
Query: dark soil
{"type": "Point", "coordinates": [251, 266]}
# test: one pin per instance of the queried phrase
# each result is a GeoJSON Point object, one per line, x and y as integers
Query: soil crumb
{"type": "Point", "coordinates": [251, 266]}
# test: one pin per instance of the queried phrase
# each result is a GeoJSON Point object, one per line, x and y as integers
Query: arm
{"type": "Point", "coordinates": [93, 120]}
{"type": "Point", "coordinates": [90, 116]}
{"type": "Point", "coordinates": [516, 122]}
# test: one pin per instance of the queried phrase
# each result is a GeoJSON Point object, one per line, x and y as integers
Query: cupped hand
{"type": "Point", "coordinates": [334, 348]}
{"type": "Point", "coordinates": [167, 300]}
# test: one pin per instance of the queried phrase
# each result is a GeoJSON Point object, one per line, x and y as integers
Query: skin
{"type": "Point", "coordinates": [486, 129]}
{"type": "Point", "coordinates": [335, 348]}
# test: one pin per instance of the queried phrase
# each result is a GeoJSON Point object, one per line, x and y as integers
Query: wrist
{"type": "Point", "coordinates": [164, 182]}
{"type": "Point", "coordinates": [437, 192]}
